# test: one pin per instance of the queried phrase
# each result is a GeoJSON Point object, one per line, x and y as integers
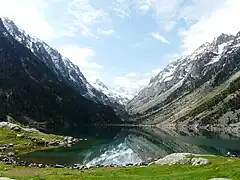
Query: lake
{"type": "Point", "coordinates": [120, 146]}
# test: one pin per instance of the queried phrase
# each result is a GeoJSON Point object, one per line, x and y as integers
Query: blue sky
{"type": "Point", "coordinates": [124, 42]}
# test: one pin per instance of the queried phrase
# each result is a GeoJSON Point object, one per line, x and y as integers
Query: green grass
{"type": "Point", "coordinates": [24, 145]}
{"type": "Point", "coordinates": [219, 167]}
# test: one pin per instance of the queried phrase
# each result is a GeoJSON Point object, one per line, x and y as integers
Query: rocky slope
{"type": "Point", "coordinates": [62, 67]}
{"type": "Point", "coordinates": [35, 90]}
{"type": "Point", "coordinates": [201, 89]}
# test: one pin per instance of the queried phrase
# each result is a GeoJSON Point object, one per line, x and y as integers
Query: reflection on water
{"type": "Point", "coordinates": [134, 145]}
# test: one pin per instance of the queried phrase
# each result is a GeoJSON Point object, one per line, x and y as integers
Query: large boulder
{"type": "Point", "coordinates": [182, 158]}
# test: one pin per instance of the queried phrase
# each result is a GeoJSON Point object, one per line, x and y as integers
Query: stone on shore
{"type": "Point", "coordinates": [5, 178]}
{"type": "Point", "coordinates": [219, 179]}
{"type": "Point", "coordinates": [181, 158]}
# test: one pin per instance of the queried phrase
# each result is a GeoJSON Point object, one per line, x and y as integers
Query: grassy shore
{"type": "Point", "coordinates": [25, 145]}
{"type": "Point", "coordinates": [219, 167]}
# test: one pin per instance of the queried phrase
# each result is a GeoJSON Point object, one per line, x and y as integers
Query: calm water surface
{"type": "Point", "coordinates": [114, 145]}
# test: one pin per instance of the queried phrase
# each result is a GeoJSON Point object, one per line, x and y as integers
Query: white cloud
{"type": "Point", "coordinates": [131, 74]}
{"type": "Point", "coordinates": [83, 57]}
{"type": "Point", "coordinates": [164, 11]}
{"type": "Point", "coordinates": [159, 37]}
{"type": "Point", "coordinates": [122, 8]}
{"type": "Point", "coordinates": [106, 32]}
{"type": "Point", "coordinates": [28, 15]}
{"type": "Point", "coordinates": [82, 16]}
{"type": "Point", "coordinates": [222, 20]}
{"type": "Point", "coordinates": [134, 82]}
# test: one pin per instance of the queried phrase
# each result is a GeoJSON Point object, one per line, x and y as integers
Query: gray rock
{"type": "Point", "coordinates": [10, 154]}
{"type": "Point", "coordinates": [2, 149]}
{"type": "Point", "coordinates": [5, 178]}
{"type": "Point", "coordinates": [16, 128]}
{"type": "Point", "coordinates": [59, 166]}
{"type": "Point", "coordinates": [219, 179]}
{"type": "Point", "coordinates": [41, 142]}
{"type": "Point", "coordinates": [199, 161]}
{"type": "Point", "coordinates": [61, 144]}
{"type": "Point", "coordinates": [54, 143]}
{"type": "Point", "coordinates": [67, 138]}
{"type": "Point", "coordinates": [8, 125]}
{"type": "Point", "coordinates": [33, 165]}
{"type": "Point", "coordinates": [22, 135]}
{"type": "Point", "coordinates": [10, 145]}
{"type": "Point", "coordinates": [69, 145]}
{"type": "Point", "coordinates": [31, 130]}
{"type": "Point", "coordinates": [180, 158]}
{"type": "Point", "coordinates": [78, 166]}
{"type": "Point", "coordinates": [40, 165]}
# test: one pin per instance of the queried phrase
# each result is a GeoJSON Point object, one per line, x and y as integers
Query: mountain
{"type": "Point", "coordinates": [61, 66]}
{"type": "Point", "coordinates": [120, 97]}
{"type": "Point", "coordinates": [198, 90]}
{"type": "Point", "coordinates": [35, 89]}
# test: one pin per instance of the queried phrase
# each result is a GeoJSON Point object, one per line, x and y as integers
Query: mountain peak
{"type": "Point", "coordinates": [115, 95]}
{"type": "Point", "coordinates": [100, 84]}
{"type": "Point", "coordinates": [223, 38]}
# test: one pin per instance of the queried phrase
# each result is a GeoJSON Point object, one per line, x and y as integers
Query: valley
{"type": "Point", "coordinates": [191, 106]}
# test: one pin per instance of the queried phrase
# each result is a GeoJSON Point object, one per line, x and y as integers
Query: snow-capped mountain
{"type": "Point", "coordinates": [64, 69]}
{"type": "Point", "coordinates": [179, 89]}
{"type": "Point", "coordinates": [114, 95]}
{"type": "Point", "coordinates": [33, 94]}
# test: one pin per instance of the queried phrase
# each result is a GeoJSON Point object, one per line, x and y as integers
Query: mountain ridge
{"type": "Point", "coordinates": [198, 91]}
{"type": "Point", "coordinates": [32, 94]}
{"type": "Point", "coordinates": [60, 65]}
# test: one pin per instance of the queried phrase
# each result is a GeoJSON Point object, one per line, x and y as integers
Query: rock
{"type": "Point", "coordinates": [67, 138]}
{"type": "Point", "coordinates": [69, 145]}
{"type": "Point", "coordinates": [69, 142]}
{"type": "Point", "coordinates": [219, 179]}
{"type": "Point", "coordinates": [11, 154]}
{"type": "Point", "coordinates": [40, 142]}
{"type": "Point", "coordinates": [15, 128]}
{"type": "Point", "coordinates": [228, 154]}
{"type": "Point", "coordinates": [199, 161]}
{"type": "Point", "coordinates": [31, 130]}
{"type": "Point", "coordinates": [10, 126]}
{"type": "Point", "coordinates": [130, 164]}
{"type": "Point", "coordinates": [149, 159]}
{"type": "Point", "coordinates": [40, 165]}
{"type": "Point", "coordinates": [180, 158]}
{"type": "Point", "coordinates": [33, 165]}
{"type": "Point", "coordinates": [151, 163]}
{"type": "Point", "coordinates": [10, 145]}
{"type": "Point", "coordinates": [78, 166]}
{"type": "Point", "coordinates": [54, 143]}
{"type": "Point", "coordinates": [5, 178]}
{"type": "Point", "coordinates": [22, 135]}
{"type": "Point", "coordinates": [22, 163]}
{"type": "Point", "coordinates": [59, 166]}
{"type": "Point", "coordinates": [2, 149]}
{"type": "Point", "coordinates": [61, 144]}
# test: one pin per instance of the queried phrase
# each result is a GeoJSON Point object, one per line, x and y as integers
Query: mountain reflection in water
{"type": "Point", "coordinates": [135, 145]}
